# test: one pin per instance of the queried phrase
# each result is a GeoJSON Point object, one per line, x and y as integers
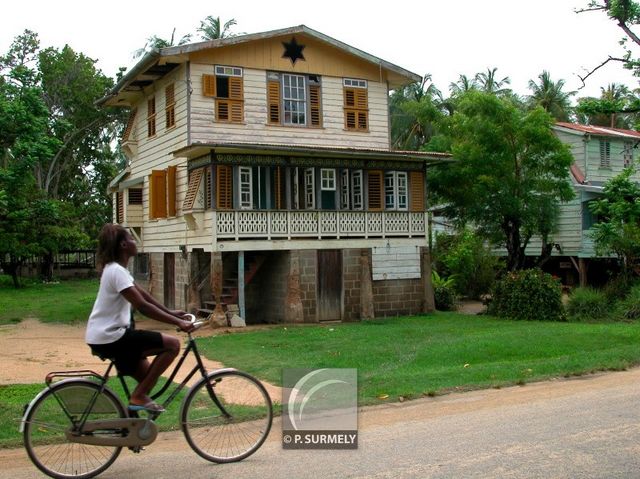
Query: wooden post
{"type": "Point", "coordinates": [583, 267]}
{"type": "Point", "coordinates": [217, 318]}
{"type": "Point", "coordinates": [293, 310]}
{"type": "Point", "coordinates": [429, 300]}
{"type": "Point", "coordinates": [241, 300]}
{"type": "Point", "coordinates": [367, 310]}
{"type": "Point", "coordinates": [193, 299]}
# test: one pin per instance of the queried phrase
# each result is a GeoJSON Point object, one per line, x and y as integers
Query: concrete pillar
{"type": "Point", "coordinates": [366, 286]}
{"type": "Point", "coordinates": [429, 304]}
{"type": "Point", "coordinates": [293, 311]}
{"type": "Point", "coordinates": [217, 318]}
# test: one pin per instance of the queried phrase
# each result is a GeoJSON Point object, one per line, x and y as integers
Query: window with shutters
{"type": "Point", "coordinates": [356, 190]}
{"type": "Point", "coordinates": [226, 86]}
{"type": "Point", "coordinates": [170, 105]}
{"type": "Point", "coordinates": [309, 189]}
{"type": "Point", "coordinates": [246, 187]}
{"type": "Point", "coordinates": [135, 196]}
{"type": "Point", "coordinates": [356, 104]}
{"type": "Point", "coordinates": [345, 198]}
{"type": "Point", "coordinates": [119, 207]}
{"type": "Point", "coordinates": [395, 190]}
{"type": "Point", "coordinates": [158, 194]}
{"type": "Point", "coordinates": [375, 184]}
{"type": "Point", "coordinates": [605, 154]}
{"type": "Point", "coordinates": [191, 197]}
{"type": "Point", "coordinates": [416, 191]}
{"type": "Point", "coordinates": [294, 100]}
{"type": "Point", "coordinates": [151, 117]}
{"type": "Point", "coordinates": [224, 187]}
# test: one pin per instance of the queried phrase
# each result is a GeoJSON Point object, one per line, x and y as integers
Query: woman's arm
{"type": "Point", "coordinates": [144, 302]}
{"type": "Point", "coordinates": [158, 304]}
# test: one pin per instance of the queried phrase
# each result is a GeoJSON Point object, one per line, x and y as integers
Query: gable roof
{"type": "Point", "coordinates": [598, 130]}
{"type": "Point", "coordinates": [156, 63]}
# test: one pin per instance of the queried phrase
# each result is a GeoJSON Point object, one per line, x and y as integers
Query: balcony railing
{"type": "Point", "coordinates": [240, 225]}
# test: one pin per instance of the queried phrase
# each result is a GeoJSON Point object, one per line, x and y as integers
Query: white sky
{"type": "Point", "coordinates": [444, 38]}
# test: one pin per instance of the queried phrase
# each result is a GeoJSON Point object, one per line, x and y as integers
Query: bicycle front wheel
{"type": "Point", "coordinates": [60, 409]}
{"type": "Point", "coordinates": [226, 416]}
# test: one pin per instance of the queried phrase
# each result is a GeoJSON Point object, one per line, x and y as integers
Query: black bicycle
{"type": "Point", "coordinates": [77, 426]}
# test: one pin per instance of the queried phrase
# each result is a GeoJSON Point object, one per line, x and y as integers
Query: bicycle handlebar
{"type": "Point", "coordinates": [193, 320]}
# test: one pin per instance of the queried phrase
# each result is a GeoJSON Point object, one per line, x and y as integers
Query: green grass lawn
{"type": "Point", "coordinates": [64, 302]}
{"type": "Point", "coordinates": [427, 355]}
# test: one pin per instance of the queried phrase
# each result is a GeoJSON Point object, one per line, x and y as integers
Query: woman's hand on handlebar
{"type": "Point", "coordinates": [186, 326]}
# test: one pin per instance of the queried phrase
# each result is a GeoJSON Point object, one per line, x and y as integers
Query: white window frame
{"type": "Point", "coordinates": [357, 199]}
{"type": "Point", "coordinates": [396, 190]}
{"type": "Point", "coordinates": [345, 196]}
{"type": "Point", "coordinates": [327, 179]}
{"type": "Point", "coordinates": [291, 96]}
{"type": "Point", "coordinates": [228, 71]}
{"type": "Point", "coordinates": [354, 83]}
{"type": "Point", "coordinates": [245, 178]}
{"type": "Point", "coordinates": [309, 189]}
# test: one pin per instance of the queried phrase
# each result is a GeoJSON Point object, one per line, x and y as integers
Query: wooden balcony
{"type": "Point", "coordinates": [304, 228]}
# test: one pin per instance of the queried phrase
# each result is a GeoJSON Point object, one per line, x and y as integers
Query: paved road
{"type": "Point", "coordinates": [579, 428]}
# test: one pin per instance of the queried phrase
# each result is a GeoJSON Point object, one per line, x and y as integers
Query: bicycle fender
{"type": "Point", "coordinates": [41, 393]}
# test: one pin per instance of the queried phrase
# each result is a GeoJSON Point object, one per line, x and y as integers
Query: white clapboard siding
{"type": "Point", "coordinates": [254, 129]}
{"type": "Point", "coordinates": [395, 262]}
{"type": "Point", "coordinates": [569, 233]}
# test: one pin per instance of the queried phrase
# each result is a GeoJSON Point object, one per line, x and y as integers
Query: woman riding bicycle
{"type": "Point", "coordinates": [110, 332]}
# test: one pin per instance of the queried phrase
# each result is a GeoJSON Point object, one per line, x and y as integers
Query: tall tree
{"type": "Point", "coordinates": [510, 173]}
{"type": "Point", "coordinates": [489, 82]}
{"type": "Point", "coordinates": [616, 107]}
{"type": "Point", "coordinates": [415, 110]}
{"type": "Point", "coordinates": [212, 28]}
{"type": "Point", "coordinates": [550, 96]}
{"type": "Point", "coordinates": [463, 85]}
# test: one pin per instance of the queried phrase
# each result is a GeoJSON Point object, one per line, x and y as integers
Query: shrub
{"type": "Point", "coordinates": [617, 288]}
{"type": "Point", "coordinates": [629, 307]}
{"type": "Point", "coordinates": [444, 293]}
{"type": "Point", "coordinates": [466, 257]}
{"type": "Point", "coordinates": [588, 303]}
{"type": "Point", "coordinates": [529, 295]}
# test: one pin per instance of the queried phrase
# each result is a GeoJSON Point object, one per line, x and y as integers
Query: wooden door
{"type": "Point", "coordinates": [329, 285]}
{"type": "Point", "coordinates": [169, 280]}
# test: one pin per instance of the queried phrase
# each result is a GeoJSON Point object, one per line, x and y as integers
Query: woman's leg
{"type": "Point", "coordinates": [147, 374]}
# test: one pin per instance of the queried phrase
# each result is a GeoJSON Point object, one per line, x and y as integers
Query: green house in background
{"type": "Point", "coordinates": [599, 153]}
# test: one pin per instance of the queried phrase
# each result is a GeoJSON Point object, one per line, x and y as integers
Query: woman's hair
{"type": "Point", "coordinates": [109, 244]}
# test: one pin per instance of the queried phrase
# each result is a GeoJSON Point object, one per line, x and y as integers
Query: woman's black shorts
{"type": "Point", "coordinates": [129, 349]}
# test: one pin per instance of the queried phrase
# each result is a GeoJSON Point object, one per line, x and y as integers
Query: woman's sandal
{"type": "Point", "coordinates": [151, 406]}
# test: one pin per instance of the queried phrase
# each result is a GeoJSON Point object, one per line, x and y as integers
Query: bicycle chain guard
{"type": "Point", "coordinates": [125, 432]}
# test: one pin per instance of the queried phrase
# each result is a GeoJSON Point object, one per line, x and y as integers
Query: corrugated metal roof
{"type": "Point", "coordinates": [600, 130]}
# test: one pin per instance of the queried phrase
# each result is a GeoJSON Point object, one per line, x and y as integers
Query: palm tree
{"type": "Point", "coordinates": [549, 95]}
{"type": "Point", "coordinates": [488, 82]}
{"type": "Point", "coordinates": [211, 29]}
{"type": "Point", "coordinates": [155, 42]}
{"type": "Point", "coordinates": [463, 85]}
{"type": "Point", "coordinates": [415, 110]}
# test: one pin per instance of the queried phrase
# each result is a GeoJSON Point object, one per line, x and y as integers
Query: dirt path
{"type": "Point", "coordinates": [31, 349]}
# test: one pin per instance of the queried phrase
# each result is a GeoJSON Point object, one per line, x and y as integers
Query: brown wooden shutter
{"type": "Point", "coordinates": [171, 190]}
{"type": "Point", "coordinates": [375, 190]}
{"type": "Point", "coordinates": [349, 98]}
{"type": "Point", "coordinates": [119, 207]}
{"type": "Point", "coordinates": [235, 88]}
{"type": "Point", "coordinates": [224, 193]}
{"type": "Point", "coordinates": [208, 85]}
{"type": "Point", "coordinates": [356, 104]}
{"type": "Point", "coordinates": [314, 104]}
{"type": "Point", "coordinates": [222, 110]}
{"type": "Point", "coordinates": [157, 193]}
{"type": "Point", "coordinates": [361, 99]}
{"type": "Point", "coordinates": [273, 100]}
{"type": "Point", "coordinates": [416, 190]}
{"type": "Point", "coordinates": [279, 186]}
{"type": "Point", "coordinates": [170, 100]}
{"type": "Point", "coordinates": [195, 177]}
{"type": "Point", "coordinates": [151, 116]}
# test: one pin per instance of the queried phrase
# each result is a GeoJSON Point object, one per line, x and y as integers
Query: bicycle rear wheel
{"type": "Point", "coordinates": [236, 430]}
{"type": "Point", "coordinates": [58, 410]}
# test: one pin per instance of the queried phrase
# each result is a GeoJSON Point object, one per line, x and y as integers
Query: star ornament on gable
{"type": "Point", "coordinates": [293, 51]}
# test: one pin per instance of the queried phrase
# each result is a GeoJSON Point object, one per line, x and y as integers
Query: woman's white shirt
{"type": "Point", "coordinates": [111, 314]}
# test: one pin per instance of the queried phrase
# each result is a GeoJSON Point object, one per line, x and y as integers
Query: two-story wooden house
{"type": "Point", "coordinates": [599, 154]}
{"type": "Point", "coordinates": [260, 174]}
